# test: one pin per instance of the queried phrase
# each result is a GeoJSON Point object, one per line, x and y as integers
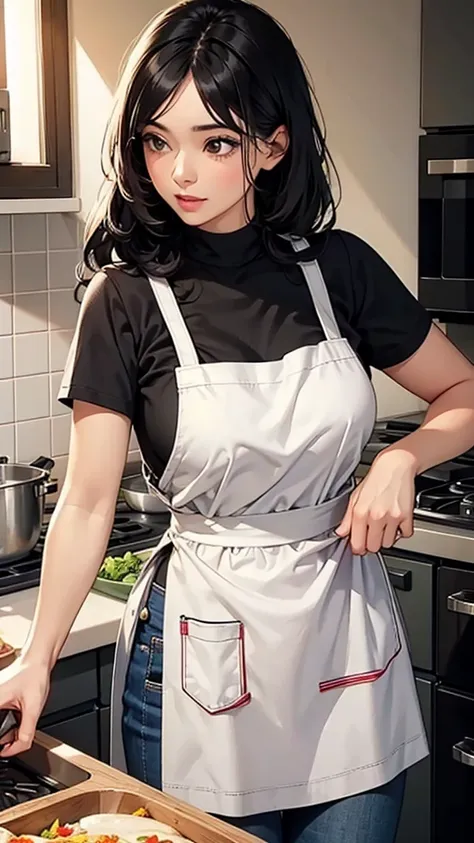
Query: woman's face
{"type": "Point", "coordinates": [196, 165]}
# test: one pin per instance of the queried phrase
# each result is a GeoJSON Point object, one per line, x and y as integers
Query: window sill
{"type": "Point", "coordinates": [40, 206]}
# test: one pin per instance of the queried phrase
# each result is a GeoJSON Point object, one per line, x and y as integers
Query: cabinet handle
{"type": "Point", "coordinates": [450, 166]}
{"type": "Point", "coordinates": [462, 602]}
{"type": "Point", "coordinates": [464, 752]}
{"type": "Point", "coordinates": [400, 579]}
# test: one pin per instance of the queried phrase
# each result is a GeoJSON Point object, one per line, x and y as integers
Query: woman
{"type": "Point", "coordinates": [235, 328]}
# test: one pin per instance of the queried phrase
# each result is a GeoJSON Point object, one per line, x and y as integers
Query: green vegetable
{"type": "Point", "coordinates": [121, 568]}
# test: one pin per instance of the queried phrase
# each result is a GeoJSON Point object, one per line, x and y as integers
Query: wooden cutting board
{"type": "Point", "coordinates": [109, 791]}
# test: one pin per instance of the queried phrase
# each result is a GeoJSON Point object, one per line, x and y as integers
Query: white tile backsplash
{"type": "Point", "coordinates": [57, 409]}
{"type": "Point", "coordinates": [29, 233]}
{"type": "Point", "coordinates": [60, 435]}
{"type": "Point", "coordinates": [30, 313]}
{"type": "Point", "coordinates": [6, 315]}
{"type": "Point", "coordinates": [31, 354]}
{"type": "Point", "coordinates": [6, 357]}
{"type": "Point", "coordinates": [6, 274]}
{"type": "Point", "coordinates": [32, 398]}
{"type": "Point", "coordinates": [59, 344]}
{"type": "Point", "coordinates": [7, 441]}
{"type": "Point", "coordinates": [7, 412]}
{"type": "Point", "coordinates": [33, 439]}
{"type": "Point", "coordinates": [62, 269]}
{"type": "Point", "coordinates": [38, 314]}
{"type": "Point", "coordinates": [63, 309]}
{"type": "Point", "coordinates": [30, 272]}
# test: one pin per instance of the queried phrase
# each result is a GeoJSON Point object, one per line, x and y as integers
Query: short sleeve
{"type": "Point", "coordinates": [102, 366]}
{"type": "Point", "coordinates": [390, 321]}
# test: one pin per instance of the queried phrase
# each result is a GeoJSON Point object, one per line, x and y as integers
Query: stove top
{"type": "Point", "coordinates": [36, 773]}
{"type": "Point", "coordinates": [445, 493]}
{"type": "Point", "coordinates": [130, 531]}
{"type": "Point", "coordinates": [19, 784]}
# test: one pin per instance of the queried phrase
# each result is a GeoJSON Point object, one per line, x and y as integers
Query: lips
{"type": "Point", "coordinates": [189, 203]}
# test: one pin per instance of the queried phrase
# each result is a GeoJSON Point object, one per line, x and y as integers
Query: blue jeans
{"type": "Point", "coordinates": [365, 818]}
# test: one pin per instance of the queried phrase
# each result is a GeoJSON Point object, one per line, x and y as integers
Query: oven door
{"type": "Point", "coordinates": [454, 766]}
{"type": "Point", "coordinates": [455, 634]}
{"type": "Point", "coordinates": [446, 221]}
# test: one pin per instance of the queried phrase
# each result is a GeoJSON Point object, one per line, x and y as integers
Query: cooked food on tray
{"type": "Point", "coordinates": [138, 827]}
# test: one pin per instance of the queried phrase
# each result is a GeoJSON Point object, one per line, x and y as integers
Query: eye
{"type": "Point", "coordinates": [221, 147]}
{"type": "Point", "coordinates": [154, 142]}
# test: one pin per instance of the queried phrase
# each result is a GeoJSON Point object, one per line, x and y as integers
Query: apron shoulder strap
{"type": "Point", "coordinates": [174, 320]}
{"type": "Point", "coordinates": [319, 292]}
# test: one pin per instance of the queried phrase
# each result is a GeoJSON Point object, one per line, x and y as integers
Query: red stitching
{"type": "Point", "coordinates": [358, 678]}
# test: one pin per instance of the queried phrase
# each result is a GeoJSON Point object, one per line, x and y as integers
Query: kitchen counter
{"type": "Point", "coordinates": [96, 625]}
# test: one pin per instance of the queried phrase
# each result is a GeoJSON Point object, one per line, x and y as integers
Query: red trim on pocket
{"type": "Point", "coordinates": [245, 696]}
{"type": "Point", "coordinates": [358, 678]}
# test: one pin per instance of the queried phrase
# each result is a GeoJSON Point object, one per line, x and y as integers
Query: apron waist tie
{"type": "Point", "coordinates": [263, 530]}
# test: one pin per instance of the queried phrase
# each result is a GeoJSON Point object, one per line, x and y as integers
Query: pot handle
{"type": "Point", "coordinates": [3, 460]}
{"type": "Point", "coordinates": [48, 488]}
{"type": "Point", "coordinates": [46, 463]}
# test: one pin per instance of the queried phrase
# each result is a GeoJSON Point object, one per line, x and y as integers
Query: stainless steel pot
{"type": "Point", "coordinates": [137, 496]}
{"type": "Point", "coordinates": [22, 492]}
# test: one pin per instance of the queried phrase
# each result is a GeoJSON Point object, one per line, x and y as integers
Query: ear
{"type": "Point", "coordinates": [275, 148]}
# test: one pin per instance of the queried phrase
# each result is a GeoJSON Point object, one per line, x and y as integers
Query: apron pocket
{"type": "Point", "coordinates": [213, 671]}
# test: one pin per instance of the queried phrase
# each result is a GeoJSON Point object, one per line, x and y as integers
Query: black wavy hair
{"type": "Point", "coordinates": [244, 66]}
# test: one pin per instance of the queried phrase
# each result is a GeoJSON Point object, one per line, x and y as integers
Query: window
{"type": "Point", "coordinates": [35, 116]}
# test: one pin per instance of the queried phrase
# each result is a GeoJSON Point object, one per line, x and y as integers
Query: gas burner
{"type": "Point", "coordinates": [18, 784]}
{"type": "Point", "coordinates": [450, 502]}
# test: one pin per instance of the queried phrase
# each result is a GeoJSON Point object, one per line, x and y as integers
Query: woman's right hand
{"type": "Point", "coordinates": [24, 686]}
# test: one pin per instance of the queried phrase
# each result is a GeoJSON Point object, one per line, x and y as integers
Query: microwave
{"type": "Point", "coordinates": [446, 225]}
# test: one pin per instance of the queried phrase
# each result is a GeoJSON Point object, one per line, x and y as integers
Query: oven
{"type": "Point", "coordinates": [413, 580]}
{"type": "Point", "coordinates": [446, 223]}
{"type": "Point", "coordinates": [454, 705]}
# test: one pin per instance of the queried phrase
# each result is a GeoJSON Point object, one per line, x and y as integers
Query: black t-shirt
{"type": "Point", "coordinates": [239, 304]}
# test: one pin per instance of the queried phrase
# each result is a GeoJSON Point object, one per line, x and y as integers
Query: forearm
{"type": "Point", "coordinates": [75, 547]}
{"type": "Point", "coordinates": [446, 432]}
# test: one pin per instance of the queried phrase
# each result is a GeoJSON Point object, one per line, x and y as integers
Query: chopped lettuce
{"type": "Point", "coordinates": [121, 568]}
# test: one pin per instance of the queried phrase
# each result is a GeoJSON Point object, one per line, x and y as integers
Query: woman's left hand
{"type": "Point", "coordinates": [380, 509]}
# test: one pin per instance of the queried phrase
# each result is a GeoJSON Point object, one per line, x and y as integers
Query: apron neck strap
{"type": "Point", "coordinates": [319, 292]}
{"type": "Point", "coordinates": [174, 320]}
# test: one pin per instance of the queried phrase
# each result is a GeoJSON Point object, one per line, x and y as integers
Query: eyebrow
{"type": "Point", "coordinates": [203, 127]}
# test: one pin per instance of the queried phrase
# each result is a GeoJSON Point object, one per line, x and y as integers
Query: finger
{"type": "Point", "coordinates": [375, 533]}
{"type": "Point", "coordinates": [23, 738]}
{"type": "Point", "coordinates": [406, 527]}
{"type": "Point", "coordinates": [390, 534]}
{"type": "Point", "coordinates": [345, 526]}
{"type": "Point", "coordinates": [359, 532]}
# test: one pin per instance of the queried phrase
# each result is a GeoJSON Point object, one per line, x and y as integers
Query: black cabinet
{"type": "Point", "coordinates": [447, 64]}
{"type": "Point", "coordinates": [80, 731]}
{"type": "Point", "coordinates": [455, 649]}
{"type": "Point", "coordinates": [415, 821]}
{"type": "Point", "coordinates": [454, 767]}
{"type": "Point", "coordinates": [74, 681]}
{"type": "Point", "coordinates": [412, 582]}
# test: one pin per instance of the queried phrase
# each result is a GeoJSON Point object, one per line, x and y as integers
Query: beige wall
{"type": "Point", "coordinates": [364, 60]}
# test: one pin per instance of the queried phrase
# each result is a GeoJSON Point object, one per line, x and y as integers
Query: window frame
{"type": "Point", "coordinates": [54, 178]}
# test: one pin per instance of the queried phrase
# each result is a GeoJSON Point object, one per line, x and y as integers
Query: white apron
{"type": "Point", "coordinates": [287, 679]}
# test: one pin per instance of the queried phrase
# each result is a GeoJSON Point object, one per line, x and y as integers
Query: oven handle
{"type": "Point", "coordinates": [450, 166]}
{"type": "Point", "coordinates": [462, 602]}
{"type": "Point", "coordinates": [464, 752]}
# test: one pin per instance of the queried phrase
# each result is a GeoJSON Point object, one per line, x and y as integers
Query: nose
{"type": "Point", "coordinates": [184, 173]}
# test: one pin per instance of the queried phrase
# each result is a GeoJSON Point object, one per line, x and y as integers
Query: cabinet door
{"type": "Point", "coordinates": [415, 821]}
{"type": "Point", "coordinates": [413, 584]}
{"type": "Point", "coordinates": [80, 732]}
{"type": "Point", "coordinates": [447, 64]}
{"type": "Point", "coordinates": [454, 767]}
{"type": "Point", "coordinates": [73, 681]}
